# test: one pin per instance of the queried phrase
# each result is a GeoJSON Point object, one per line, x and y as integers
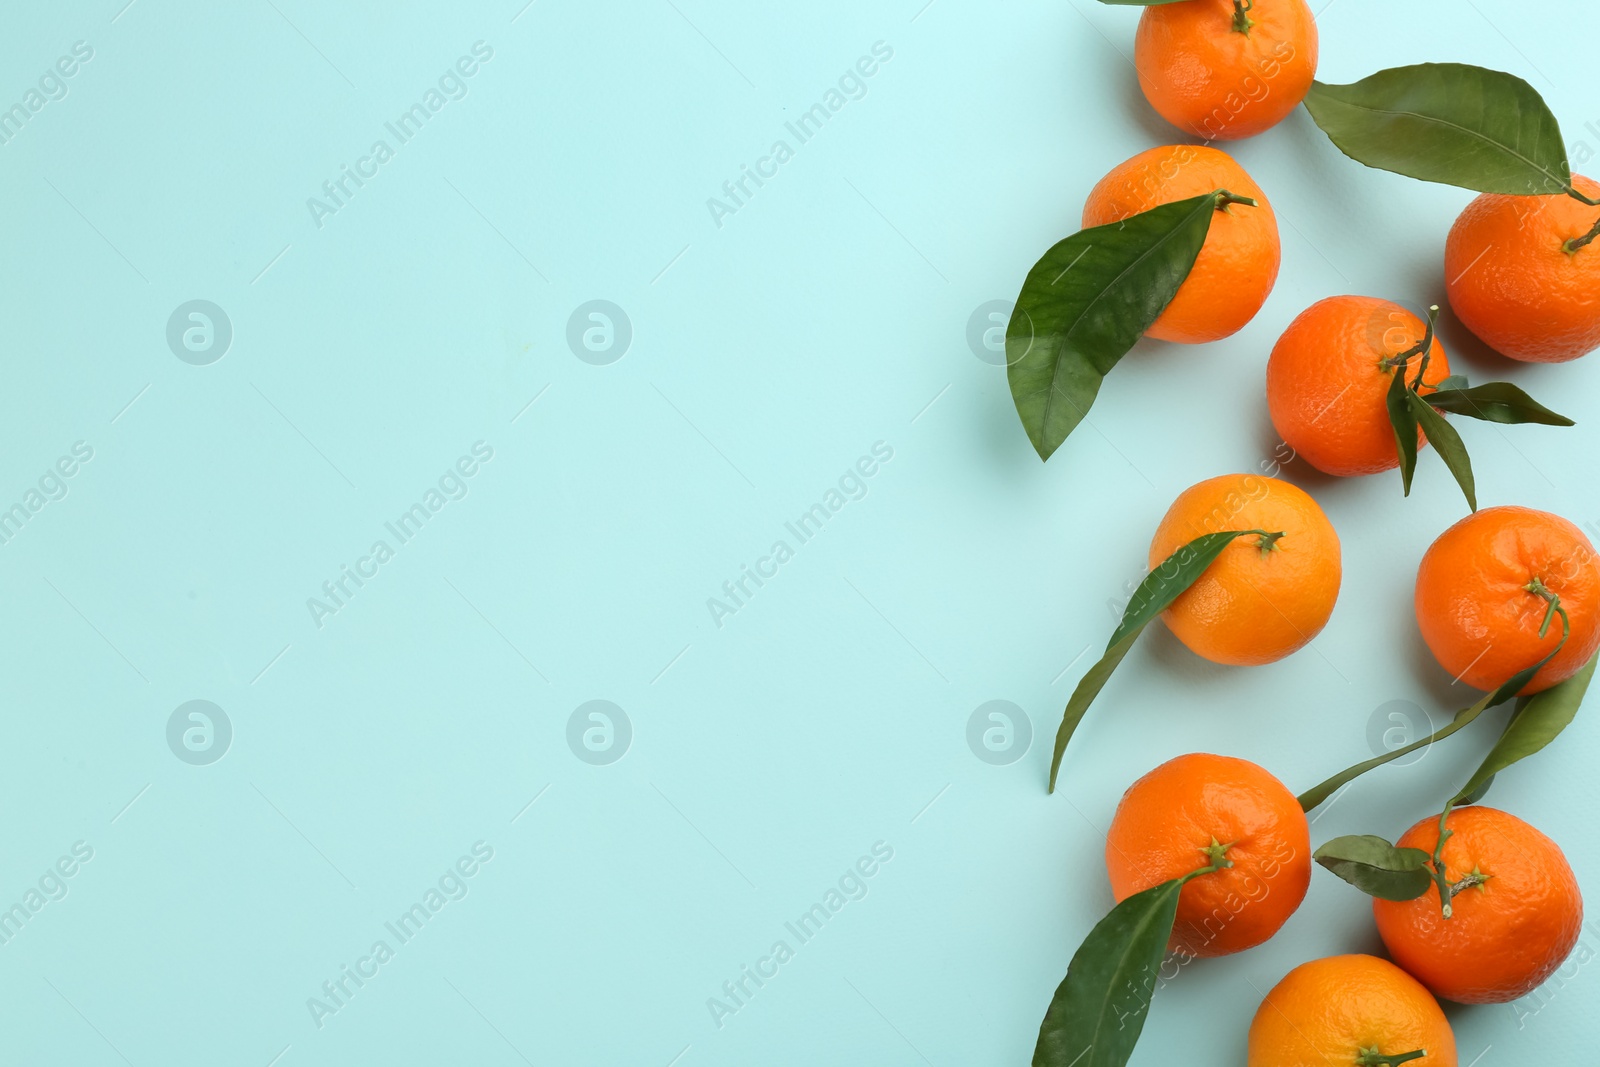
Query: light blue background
{"type": "Point", "coordinates": [768, 353]}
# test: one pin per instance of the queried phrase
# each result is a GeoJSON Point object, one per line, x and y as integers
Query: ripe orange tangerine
{"type": "Point", "coordinates": [1350, 1011]}
{"type": "Point", "coordinates": [1484, 594]}
{"type": "Point", "coordinates": [1515, 910]}
{"type": "Point", "coordinates": [1238, 264]}
{"type": "Point", "coordinates": [1226, 69]}
{"type": "Point", "coordinates": [1259, 600]}
{"type": "Point", "coordinates": [1198, 808]}
{"type": "Point", "coordinates": [1517, 276]}
{"type": "Point", "coordinates": [1328, 377]}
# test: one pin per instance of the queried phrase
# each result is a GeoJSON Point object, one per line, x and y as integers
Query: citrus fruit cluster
{"type": "Point", "coordinates": [1209, 854]}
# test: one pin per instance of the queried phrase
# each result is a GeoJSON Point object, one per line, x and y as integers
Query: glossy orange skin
{"type": "Point", "coordinates": [1510, 281]}
{"type": "Point", "coordinates": [1327, 1012]}
{"type": "Point", "coordinates": [1238, 264]}
{"type": "Point", "coordinates": [1166, 820]}
{"type": "Point", "coordinates": [1475, 614]}
{"type": "Point", "coordinates": [1248, 607]}
{"type": "Point", "coordinates": [1326, 387]}
{"type": "Point", "coordinates": [1504, 937]}
{"type": "Point", "coordinates": [1210, 80]}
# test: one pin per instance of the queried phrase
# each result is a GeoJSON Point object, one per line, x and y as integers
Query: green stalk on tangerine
{"type": "Point", "coordinates": [1314, 796]}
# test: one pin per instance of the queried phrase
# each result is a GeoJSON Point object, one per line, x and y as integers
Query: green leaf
{"type": "Point", "coordinates": [1404, 421]}
{"type": "Point", "coordinates": [1495, 402]}
{"type": "Point", "coordinates": [1478, 793]}
{"type": "Point", "coordinates": [1515, 684]}
{"type": "Point", "coordinates": [1083, 695]}
{"type": "Point", "coordinates": [1447, 122]}
{"type": "Point", "coordinates": [1454, 381]}
{"type": "Point", "coordinates": [1376, 867]}
{"type": "Point", "coordinates": [1158, 590]}
{"type": "Point", "coordinates": [1087, 301]}
{"type": "Point", "coordinates": [1536, 723]}
{"type": "Point", "coordinates": [1097, 1012]}
{"type": "Point", "coordinates": [1443, 437]}
{"type": "Point", "coordinates": [1322, 791]}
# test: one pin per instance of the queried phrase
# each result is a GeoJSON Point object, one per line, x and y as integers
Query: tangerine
{"type": "Point", "coordinates": [1238, 263]}
{"type": "Point", "coordinates": [1328, 377]}
{"type": "Point", "coordinates": [1226, 69]}
{"type": "Point", "coordinates": [1349, 1011]}
{"type": "Point", "coordinates": [1264, 596]}
{"type": "Point", "coordinates": [1199, 807]}
{"type": "Point", "coordinates": [1515, 912]}
{"type": "Point", "coordinates": [1485, 590]}
{"type": "Point", "coordinates": [1518, 276]}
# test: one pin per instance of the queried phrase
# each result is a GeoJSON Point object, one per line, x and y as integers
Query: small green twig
{"type": "Point", "coordinates": [1241, 18]}
{"type": "Point", "coordinates": [1225, 199]}
{"type": "Point", "coordinates": [1578, 242]}
{"type": "Point", "coordinates": [1538, 589]}
{"type": "Point", "coordinates": [1440, 878]}
{"type": "Point", "coordinates": [1217, 853]}
{"type": "Point", "coordinates": [1371, 1057]}
{"type": "Point", "coordinates": [1424, 348]}
{"type": "Point", "coordinates": [1471, 880]}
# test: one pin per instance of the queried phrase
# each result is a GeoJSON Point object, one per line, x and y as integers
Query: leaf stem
{"type": "Point", "coordinates": [1164, 584]}
{"type": "Point", "coordinates": [1314, 796]}
{"type": "Point", "coordinates": [1422, 366]}
{"type": "Point", "coordinates": [1470, 880]}
{"type": "Point", "coordinates": [1217, 853]}
{"type": "Point", "coordinates": [1225, 198]}
{"type": "Point", "coordinates": [1241, 19]}
{"type": "Point", "coordinates": [1572, 191]}
{"type": "Point", "coordinates": [1537, 588]}
{"type": "Point", "coordinates": [1576, 243]}
{"type": "Point", "coordinates": [1219, 862]}
{"type": "Point", "coordinates": [1371, 1057]}
{"type": "Point", "coordinates": [1423, 348]}
{"type": "Point", "coordinates": [1446, 890]}
{"type": "Point", "coordinates": [1449, 890]}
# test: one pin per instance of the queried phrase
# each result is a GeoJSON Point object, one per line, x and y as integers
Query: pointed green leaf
{"type": "Point", "coordinates": [1508, 689]}
{"type": "Point", "coordinates": [1155, 594]}
{"type": "Point", "coordinates": [1404, 422]}
{"type": "Point", "coordinates": [1536, 723]}
{"type": "Point", "coordinates": [1086, 302]}
{"type": "Point", "coordinates": [1314, 796]}
{"type": "Point", "coordinates": [1097, 1012]}
{"type": "Point", "coordinates": [1443, 437]}
{"type": "Point", "coordinates": [1495, 402]}
{"type": "Point", "coordinates": [1517, 682]}
{"type": "Point", "coordinates": [1083, 695]}
{"type": "Point", "coordinates": [1447, 122]}
{"type": "Point", "coordinates": [1478, 793]}
{"type": "Point", "coordinates": [1376, 867]}
{"type": "Point", "coordinates": [1454, 381]}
